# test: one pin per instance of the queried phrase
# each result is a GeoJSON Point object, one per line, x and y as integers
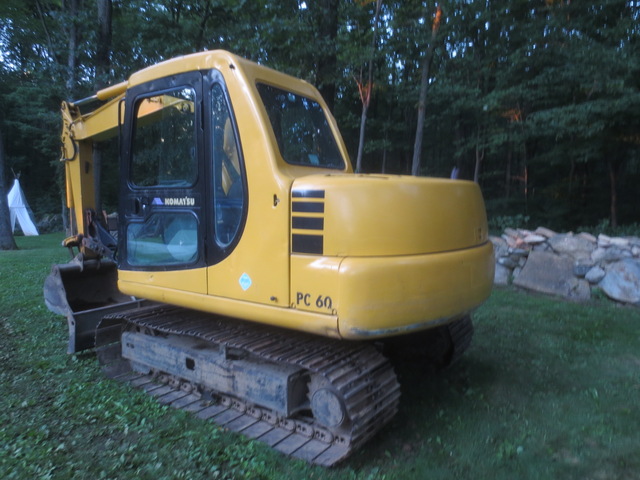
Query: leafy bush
{"type": "Point", "coordinates": [604, 226]}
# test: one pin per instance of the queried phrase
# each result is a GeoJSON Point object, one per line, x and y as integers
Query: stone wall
{"type": "Point", "coordinates": [569, 265]}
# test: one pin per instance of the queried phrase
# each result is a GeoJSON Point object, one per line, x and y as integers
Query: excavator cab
{"type": "Point", "coordinates": [184, 188]}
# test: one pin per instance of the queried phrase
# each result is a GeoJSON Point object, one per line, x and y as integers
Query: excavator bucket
{"type": "Point", "coordinates": [84, 293]}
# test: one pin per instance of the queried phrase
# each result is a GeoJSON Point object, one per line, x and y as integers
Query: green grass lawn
{"type": "Point", "coordinates": [548, 390]}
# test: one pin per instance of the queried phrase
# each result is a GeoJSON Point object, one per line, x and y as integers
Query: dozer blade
{"type": "Point", "coordinates": [84, 293]}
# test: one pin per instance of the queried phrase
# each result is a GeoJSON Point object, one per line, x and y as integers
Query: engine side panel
{"type": "Point", "coordinates": [378, 215]}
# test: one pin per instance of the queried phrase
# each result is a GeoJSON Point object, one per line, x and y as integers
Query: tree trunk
{"type": "Point", "coordinates": [103, 67]}
{"type": "Point", "coordinates": [417, 145]}
{"type": "Point", "coordinates": [7, 242]}
{"type": "Point", "coordinates": [103, 48]}
{"type": "Point", "coordinates": [50, 47]}
{"type": "Point", "coordinates": [363, 123]}
{"type": "Point", "coordinates": [366, 90]}
{"type": "Point", "coordinates": [424, 83]}
{"type": "Point", "coordinates": [479, 155]}
{"type": "Point", "coordinates": [73, 46]}
{"type": "Point", "coordinates": [479, 158]}
{"type": "Point", "coordinates": [199, 45]}
{"type": "Point", "coordinates": [327, 58]}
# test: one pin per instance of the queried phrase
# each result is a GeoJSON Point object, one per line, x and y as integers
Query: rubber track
{"type": "Point", "coordinates": [363, 376]}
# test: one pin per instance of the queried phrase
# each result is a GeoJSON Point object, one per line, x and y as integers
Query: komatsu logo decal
{"type": "Point", "coordinates": [175, 201]}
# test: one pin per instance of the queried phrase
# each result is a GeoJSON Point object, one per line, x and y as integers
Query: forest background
{"type": "Point", "coordinates": [537, 100]}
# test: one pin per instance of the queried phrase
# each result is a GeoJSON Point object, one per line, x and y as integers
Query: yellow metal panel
{"type": "Point", "coordinates": [187, 63]}
{"type": "Point", "coordinates": [392, 295]}
{"type": "Point", "coordinates": [101, 124]}
{"type": "Point", "coordinates": [193, 280]}
{"type": "Point", "coordinates": [314, 283]}
{"type": "Point", "coordinates": [258, 268]}
{"type": "Point", "coordinates": [373, 215]}
{"type": "Point", "coordinates": [325, 325]}
{"type": "Point", "coordinates": [80, 183]}
{"type": "Point", "coordinates": [112, 91]}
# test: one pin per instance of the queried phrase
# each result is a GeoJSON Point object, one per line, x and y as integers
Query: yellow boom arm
{"type": "Point", "coordinates": [78, 134]}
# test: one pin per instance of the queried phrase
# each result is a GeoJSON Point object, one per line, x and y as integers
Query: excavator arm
{"type": "Point", "coordinates": [85, 289]}
{"type": "Point", "coordinates": [79, 132]}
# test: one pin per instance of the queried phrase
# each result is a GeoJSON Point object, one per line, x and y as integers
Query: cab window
{"type": "Point", "coordinates": [163, 239]}
{"type": "Point", "coordinates": [301, 129]}
{"type": "Point", "coordinates": [228, 184]}
{"type": "Point", "coordinates": [164, 140]}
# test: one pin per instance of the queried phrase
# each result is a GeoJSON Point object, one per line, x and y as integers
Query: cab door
{"type": "Point", "coordinates": [163, 185]}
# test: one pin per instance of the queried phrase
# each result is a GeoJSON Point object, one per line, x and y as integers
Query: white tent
{"type": "Point", "coordinates": [20, 211]}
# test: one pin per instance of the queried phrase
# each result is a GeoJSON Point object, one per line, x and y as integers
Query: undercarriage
{"type": "Point", "coordinates": [309, 397]}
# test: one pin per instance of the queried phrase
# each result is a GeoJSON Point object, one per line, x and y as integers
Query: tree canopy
{"type": "Point", "coordinates": [538, 101]}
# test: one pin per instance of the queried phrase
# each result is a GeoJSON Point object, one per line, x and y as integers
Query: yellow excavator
{"type": "Point", "coordinates": [256, 280]}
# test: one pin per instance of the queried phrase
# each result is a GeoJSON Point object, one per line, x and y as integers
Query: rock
{"type": "Point", "coordinates": [619, 242]}
{"type": "Point", "coordinates": [497, 241]}
{"type": "Point", "coordinates": [609, 254]}
{"type": "Point", "coordinates": [533, 239]}
{"type": "Point", "coordinates": [545, 232]}
{"type": "Point", "coordinates": [552, 274]}
{"type": "Point", "coordinates": [575, 246]}
{"type": "Point", "coordinates": [588, 236]}
{"type": "Point", "coordinates": [500, 247]}
{"type": "Point", "coordinates": [604, 240]}
{"type": "Point", "coordinates": [594, 275]}
{"type": "Point", "coordinates": [622, 281]}
{"type": "Point", "coordinates": [507, 262]}
{"type": "Point", "coordinates": [598, 254]}
{"type": "Point", "coordinates": [502, 275]}
{"type": "Point", "coordinates": [581, 269]}
{"type": "Point", "coordinates": [512, 242]}
{"type": "Point", "coordinates": [567, 264]}
{"type": "Point", "coordinates": [579, 290]}
{"type": "Point", "coordinates": [512, 232]}
{"type": "Point", "coordinates": [516, 272]}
